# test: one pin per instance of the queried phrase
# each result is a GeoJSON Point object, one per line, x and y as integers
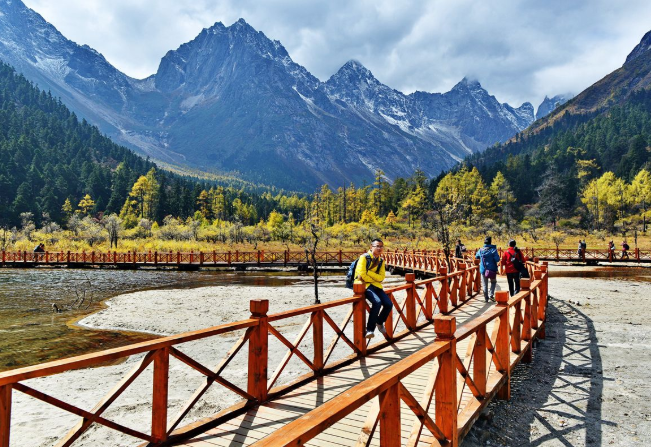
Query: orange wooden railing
{"type": "Point", "coordinates": [177, 258]}
{"type": "Point", "coordinates": [457, 390]}
{"type": "Point", "coordinates": [412, 260]}
{"type": "Point", "coordinates": [416, 303]}
{"type": "Point", "coordinates": [604, 255]}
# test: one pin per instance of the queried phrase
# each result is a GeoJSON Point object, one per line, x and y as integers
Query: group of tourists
{"type": "Point", "coordinates": [369, 269]}
{"type": "Point", "coordinates": [611, 249]}
{"type": "Point", "coordinates": [513, 260]}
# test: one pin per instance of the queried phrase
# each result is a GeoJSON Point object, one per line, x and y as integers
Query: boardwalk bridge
{"type": "Point", "coordinates": [445, 356]}
{"type": "Point", "coordinates": [407, 260]}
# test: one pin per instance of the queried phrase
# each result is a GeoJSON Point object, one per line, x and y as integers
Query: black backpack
{"type": "Point", "coordinates": [519, 265]}
{"type": "Point", "coordinates": [625, 246]}
{"type": "Point", "coordinates": [350, 276]}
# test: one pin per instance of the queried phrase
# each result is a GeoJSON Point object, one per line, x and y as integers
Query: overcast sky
{"type": "Point", "coordinates": [519, 50]}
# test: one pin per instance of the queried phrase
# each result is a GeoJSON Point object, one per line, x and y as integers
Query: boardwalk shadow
{"type": "Point", "coordinates": [556, 400]}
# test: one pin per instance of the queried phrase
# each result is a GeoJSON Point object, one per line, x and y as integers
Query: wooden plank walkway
{"type": "Point", "coordinates": [260, 421]}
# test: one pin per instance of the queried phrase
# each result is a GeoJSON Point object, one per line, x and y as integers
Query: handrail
{"type": "Point", "coordinates": [412, 310]}
{"type": "Point", "coordinates": [492, 357]}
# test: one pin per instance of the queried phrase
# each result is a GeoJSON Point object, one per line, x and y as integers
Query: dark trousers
{"type": "Point", "coordinates": [378, 299]}
{"type": "Point", "coordinates": [514, 282]}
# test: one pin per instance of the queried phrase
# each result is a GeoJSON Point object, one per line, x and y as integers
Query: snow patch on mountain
{"type": "Point", "coordinates": [56, 66]}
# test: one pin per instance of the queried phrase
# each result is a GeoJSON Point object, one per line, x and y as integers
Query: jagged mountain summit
{"type": "Point", "coordinates": [548, 105]}
{"type": "Point", "coordinates": [233, 101]}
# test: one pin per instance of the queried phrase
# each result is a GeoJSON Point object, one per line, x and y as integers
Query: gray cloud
{"type": "Point", "coordinates": [519, 51]}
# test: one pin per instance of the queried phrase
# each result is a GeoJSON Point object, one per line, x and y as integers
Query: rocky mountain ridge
{"type": "Point", "coordinates": [233, 101]}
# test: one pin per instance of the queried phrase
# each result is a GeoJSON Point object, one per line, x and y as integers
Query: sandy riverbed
{"type": "Point", "coordinates": [168, 312]}
{"type": "Point", "coordinates": [589, 382]}
{"type": "Point", "coordinates": [587, 386]}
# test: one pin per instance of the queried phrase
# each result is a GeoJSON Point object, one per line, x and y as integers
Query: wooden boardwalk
{"type": "Point", "coordinates": [424, 385]}
{"type": "Point", "coordinates": [422, 261]}
{"type": "Point", "coordinates": [259, 422]}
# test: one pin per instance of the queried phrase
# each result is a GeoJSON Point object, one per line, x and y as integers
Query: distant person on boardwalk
{"type": "Point", "coordinates": [625, 249]}
{"type": "Point", "coordinates": [611, 250]}
{"type": "Point", "coordinates": [514, 262]}
{"type": "Point", "coordinates": [489, 258]}
{"type": "Point", "coordinates": [40, 248]}
{"type": "Point", "coordinates": [459, 250]}
{"type": "Point", "coordinates": [371, 275]}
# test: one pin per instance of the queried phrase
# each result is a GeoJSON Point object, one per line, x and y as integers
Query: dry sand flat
{"type": "Point", "coordinates": [589, 382]}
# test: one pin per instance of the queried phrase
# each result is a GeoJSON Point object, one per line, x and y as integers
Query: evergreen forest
{"type": "Point", "coordinates": [62, 180]}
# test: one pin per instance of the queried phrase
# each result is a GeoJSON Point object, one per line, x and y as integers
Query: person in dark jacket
{"type": "Point", "coordinates": [509, 258]}
{"type": "Point", "coordinates": [489, 258]}
{"type": "Point", "coordinates": [459, 250]}
{"type": "Point", "coordinates": [40, 248]}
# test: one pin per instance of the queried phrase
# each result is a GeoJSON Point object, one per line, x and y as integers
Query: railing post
{"type": "Point", "coordinates": [286, 256]}
{"type": "Point", "coordinates": [461, 266]}
{"type": "Point", "coordinates": [410, 304]}
{"type": "Point", "coordinates": [479, 361]}
{"type": "Point", "coordinates": [47, 257]}
{"type": "Point", "coordinates": [341, 261]}
{"type": "Point", "coordinates": [359, 319]}
{"type": "Point", "coordinates": [178, 258]}
{"type": "Point", "coordinates": [443, 294]}
{"type": "Point", "coordinates": [502, 344]}
{"type": "Point", "coordinates": [68, 257]}
{"type": "Point", "coordinates": [429, 298]}
{"type": "Point", "coordinates": [259, 351]}
{"type": "Point", "coordinates": [544, 269]}
{"type": "Point", "coordinates": [200, 257]}
{"type": "Point", "coordinates": [317, 338]}
{"type": "Point", "coordinates": [229, 258]}
{"type": "Point", "coordinates": [446, 385]}
{"type": "Point", "coordinates": [542, 304]}
{"type": "Point", "coordinates": [135, 258]}
{"type": "Point", "coordinates": [259, 259]}
{"type": "Point", "coordinates": [156, 258]}
{"type": "Point", "coordinates": [390, 430]}
{"type": "Point", "coordinates": [4, 256]}
{"type": "Point", "coordinates": [5, 414]}
{"type": "Point", "coordinates": [526, 324]}
{"type": "Point", "coordinates": [159, 400]}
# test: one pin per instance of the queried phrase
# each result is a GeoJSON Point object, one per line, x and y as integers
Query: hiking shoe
{"type": "Point", "coordinates": [370, 334]}
{"type": "Point", "coordinates": [382, 330]}
{"type": "Point", "coordinates": [492, 298]}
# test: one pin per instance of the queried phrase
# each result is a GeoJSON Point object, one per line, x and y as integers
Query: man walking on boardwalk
{"type": "Point", "coordinates": [370, 271]}
{"type": "Point", "coordinates": [514, 262]}
{"type": "Point", "coordinates": [489, 258]}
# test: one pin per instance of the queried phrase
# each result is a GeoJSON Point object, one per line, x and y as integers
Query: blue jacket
{"type": "Point", "coordinates": [488, 255]}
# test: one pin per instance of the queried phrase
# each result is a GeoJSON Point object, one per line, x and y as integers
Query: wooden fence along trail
{"type": "Point", "coordinates": [420, 261]}
{"type": "Point", "coordinates": [425, 384]}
